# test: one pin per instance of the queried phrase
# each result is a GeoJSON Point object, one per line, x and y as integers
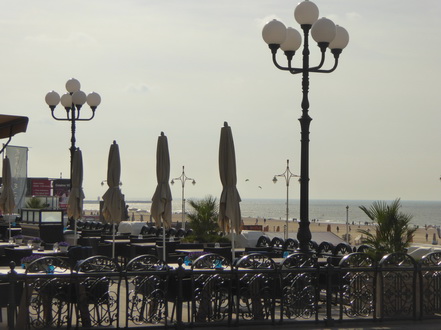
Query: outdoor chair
{"type": "Point", "coordinates": [291, 244]}
{"type": "Point", "coordinates": [146, 290]}
{"type": "Point", "coordinates": [50, 300]}
{"type": "Point", "coordinates": [98, 292]}
{"type": "Point", "coordinates": [225, 252]}
{"type": "Point", "coordinates": [255, 291]}
{"type": "Point", "coordinates": [152, 230]}
{"type": "Point", "coordinates": [180, 233]}
{"type": "Point", "coordinates": [398, 276]}
{"type": "Point", "coordinates": [356, 290]}
{"type": "Point", "coordinates": [363, 248]}
{"type": "Point", "coordinates": [80, 224]}
{"type": "Point", "coordinates": [211, 290]}
{"type": "Point", "coordinates": [77, 253]}
{"type": "Point", "coordinates": [277, 243]}
{"type": "Point", "coordinates": [342, 249]}
{"type": "Point", "coordinates": [171, 232]}
{"type": "Point", "coordinates": [313, 246]}
{"type": "Point", "coordinates": [325, 249]}
{"type": "Point", "coordinates": [144, 230]}
{"type": "Point", "coordinates": [263, 241]}
{"type": "Point", "coordinates": [430, 284]}
{"type": "Point", "coordinates": [299, 283]}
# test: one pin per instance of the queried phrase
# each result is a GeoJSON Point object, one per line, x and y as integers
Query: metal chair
{"type": "Point", "coordinates": [146, 290]}
{"type": "Point", "coordinates": [49, 299]}
{"type": "Point", "coordinates": [255, 291]}
{"type": "Point", "coordinates": [299, 283]}
{"type": "Point", "coordinates": [291, 244]}
{"type": "Point", "coordinates": [263, 241]}
{"type": "Point", "coordinates": [98, 289]}
{"type": "Point", "coordinates": [211, 290]}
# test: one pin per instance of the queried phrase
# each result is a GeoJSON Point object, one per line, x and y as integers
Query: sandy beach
{"type": "Point", "coordinates": [276, 225]}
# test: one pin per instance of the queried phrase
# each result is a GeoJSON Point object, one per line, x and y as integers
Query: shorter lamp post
{"type": "Point", "coordinates": [183, 178]}
{"type": "Point", "coordinates": [347, 224]}
{"type": "Point", "coordinates": [287, 175]}
{"type": "Point", "coordinates": [72, 101]}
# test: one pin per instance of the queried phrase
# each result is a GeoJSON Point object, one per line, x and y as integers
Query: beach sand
{"type": "Point", "coordinates": [276, 225]}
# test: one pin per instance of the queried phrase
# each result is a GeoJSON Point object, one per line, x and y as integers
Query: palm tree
{"type": "Point", "coordinates": [392, 231]}
{"type": "Point", "coordinates": [203, 220]}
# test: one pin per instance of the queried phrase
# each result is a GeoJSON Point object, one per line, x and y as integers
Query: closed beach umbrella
{"type": "Point", "coordinates": [76, 196]}
{"type": "Point", "coordinates": [229, 208]}
{"type": "Point", "coordinates": [161, 202]}
{"type": "Point", "coordinates": [7, 202]}
{"type": "Point", "coordinates": [113, 198]}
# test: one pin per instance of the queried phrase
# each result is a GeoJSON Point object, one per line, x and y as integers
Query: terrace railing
{"type": "Point", "coordinates": [149, 294]}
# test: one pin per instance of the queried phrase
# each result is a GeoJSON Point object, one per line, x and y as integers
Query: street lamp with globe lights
{"type": "Point", "coordinates": [183, 178]}
{"type": "Point", "coordinates": [289, 40]}
{"type": "Point", "coordinates": [287, 175]}
{"type": "Point", "coordinates": [72, 101]}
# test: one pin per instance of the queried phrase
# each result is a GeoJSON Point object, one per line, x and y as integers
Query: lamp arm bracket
{"type": "Point", "coordinates": [327, 71]}
{"type": "Point", "coordinates": [85, 119]}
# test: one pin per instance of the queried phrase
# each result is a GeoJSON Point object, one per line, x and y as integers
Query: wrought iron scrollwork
{"type": "Point", "coordinates": [431, 284]}
{"type": "Point", "coordinates": [299, 286]}
{"type": "Point", "coordinates": [357, 291]}
{"type": "Point", "coordinates": [398, 276]}
{"type": "Point", "coordinates": [146, 287]}
{"type": "Point", "coordinates": [98, 292]}
{"type": "Point", "coordinates": [211, 291]}
{"type": "Point", "coordinates": [256, 292]}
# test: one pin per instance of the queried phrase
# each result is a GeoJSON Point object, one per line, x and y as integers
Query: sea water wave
{"type": "Point", "coordinates": [333, 211]}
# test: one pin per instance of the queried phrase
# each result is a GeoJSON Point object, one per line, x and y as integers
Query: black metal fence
{"type": "Point", "coordinates": [148, 293]}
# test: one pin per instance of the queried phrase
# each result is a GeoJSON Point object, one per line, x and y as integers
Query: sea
{"type": "Point", "coordinates": [424, 213]}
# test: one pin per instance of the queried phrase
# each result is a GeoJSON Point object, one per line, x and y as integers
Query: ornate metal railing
{"type": "Point", "coordinates": [147, 293]}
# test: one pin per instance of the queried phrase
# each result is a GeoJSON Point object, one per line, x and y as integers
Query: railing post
{"type": "Point", "coordinates": [179, 301]}
{"type": "Point", "coordinates": [329, 321]}
{"type": "Point", "coordinates": [12, 298]}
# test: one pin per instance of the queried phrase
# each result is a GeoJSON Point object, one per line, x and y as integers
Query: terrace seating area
{"type": "Point", "coordinates": [270, 284]}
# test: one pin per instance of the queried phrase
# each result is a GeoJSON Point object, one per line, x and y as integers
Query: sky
{"type": "Point", "coordinates": [185, 67]}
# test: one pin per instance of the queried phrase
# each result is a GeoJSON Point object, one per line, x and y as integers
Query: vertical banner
{"type": "Point", "coordinates": [18, 157]}
{"type": "Point", "coordinates": [61, 190]}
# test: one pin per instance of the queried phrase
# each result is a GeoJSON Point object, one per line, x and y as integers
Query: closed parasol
{"type": "Point", "coordinates": [162, 198]}
{"type": "Point", "coordinates": [7, 201]}
{"type": "Point", "coordinates": [76, 196]}
{"type": "Point", "coordinates": [229, 208]}
{"type": "Point", "coordinates": [113, 210]}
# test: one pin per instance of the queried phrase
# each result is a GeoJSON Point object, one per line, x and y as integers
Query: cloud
{"type": "Point", "coordinates": [353, 16]}
{"type": "Point", "coordinates": [74, 39]}
{"type": "Point", "coordinates": [137, 88]}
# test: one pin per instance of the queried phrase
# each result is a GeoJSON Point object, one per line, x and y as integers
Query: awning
{"type": "Point", "coordinates": [11, 125]}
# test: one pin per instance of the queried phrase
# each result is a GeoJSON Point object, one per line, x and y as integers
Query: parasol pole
{"type": "Point", "coordinates": [113, 240]}
{"type": "Point", "coordinates": [75, 232]}
{"type": "Point", "coordinates": [163, 240]}
{"type": "Point", "coordinates": [233, 250]}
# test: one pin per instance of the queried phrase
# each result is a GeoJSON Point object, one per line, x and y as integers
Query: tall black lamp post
{"type": "Point", "coordinates": [327, 35]}
{"type": "Point", "coordinates": [287, 175]}
{"type": "Point", "coordinates": [72, 101]}
{"type": "Point", "coordinates": [183, 178]}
